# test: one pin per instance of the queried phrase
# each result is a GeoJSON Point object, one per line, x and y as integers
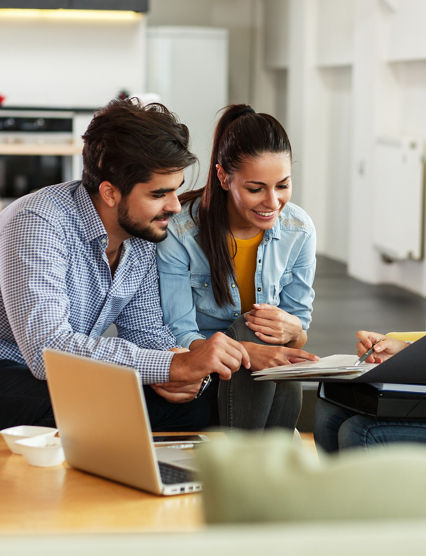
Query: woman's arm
{"type": "Point", "coordinates": [273, 325]}
{"type": "Point", "coordinates": [287, 323]}
{"type": "Point", "coordinates": [175, 289]}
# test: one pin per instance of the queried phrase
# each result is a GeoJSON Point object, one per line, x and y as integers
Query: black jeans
{"type": "Point", "coordinates": [244, 403]}
{"type": "Point", "coordinates": [25, 400]}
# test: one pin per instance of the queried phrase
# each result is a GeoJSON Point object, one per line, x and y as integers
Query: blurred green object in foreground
{"type": "Point", "coordinates": [255, 477]}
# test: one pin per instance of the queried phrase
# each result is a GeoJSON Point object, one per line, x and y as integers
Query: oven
{"type": "Point", "coordinates": [37, 148]}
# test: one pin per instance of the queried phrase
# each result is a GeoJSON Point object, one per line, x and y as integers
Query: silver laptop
{"type": "Point", "coordinates": [103, 422]}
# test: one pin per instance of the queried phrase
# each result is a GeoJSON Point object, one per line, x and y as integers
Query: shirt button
{"type": "Point", "coordinates": [232, 285]}
{"type": "Point", "coordinates": [206, 285]}
{"type": "Point", "coordinates": [259, 289]}
{"type": "Point", "coordinates": [236, 314]}
{"type": "Point", "coordinates": [259, 261]}
{"type": "Point", "coordinates": [103, 241]}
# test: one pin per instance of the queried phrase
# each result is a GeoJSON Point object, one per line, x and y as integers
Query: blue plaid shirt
{"type": "Point", "coordinates": [56, 288]}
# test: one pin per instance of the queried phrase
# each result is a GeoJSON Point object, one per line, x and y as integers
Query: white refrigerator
{"type": "Point", "coordinates": [188, 68]}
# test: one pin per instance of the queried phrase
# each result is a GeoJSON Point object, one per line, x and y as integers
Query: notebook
{"type": "Point", "coordinates": [406, 367]}
{"type": "Point", "coordinates": [103, 423]}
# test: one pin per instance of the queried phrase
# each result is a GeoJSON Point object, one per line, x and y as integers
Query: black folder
{"type": "Point", "coordinates": [367, 394]}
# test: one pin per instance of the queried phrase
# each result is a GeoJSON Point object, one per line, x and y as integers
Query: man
{"type": "Point", "coordinates": [79, 256]}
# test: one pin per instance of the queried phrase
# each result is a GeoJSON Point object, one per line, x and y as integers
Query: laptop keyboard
{"type": "Point", "coordinates": [170, 474]}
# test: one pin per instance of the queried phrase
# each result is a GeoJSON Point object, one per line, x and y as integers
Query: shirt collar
{"type": "Point", "coordinates": [274, 232]}
{"type": "Point", "coordinates": [92, 223]}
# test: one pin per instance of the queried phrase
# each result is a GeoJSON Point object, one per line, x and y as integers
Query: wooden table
{"type": "Point", "coordinates": [62, 499]}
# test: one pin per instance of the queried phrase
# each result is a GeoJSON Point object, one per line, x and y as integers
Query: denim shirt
{"type": "Point", "coordinates": [285, 269]}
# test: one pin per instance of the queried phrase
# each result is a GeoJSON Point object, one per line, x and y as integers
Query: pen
{"type": "Point", "coordinates": [366, 354]}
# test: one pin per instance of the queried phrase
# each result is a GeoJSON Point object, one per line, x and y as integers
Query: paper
{"type": "Point", "coordinates": [338, 366]}
{"type": "Point", "coordinates": [411, 388]}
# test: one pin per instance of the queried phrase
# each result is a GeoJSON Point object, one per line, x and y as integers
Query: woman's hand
{"type": "Point", "coordinates": [263, 357]}
{"type": "Point", "coordinates": [384, 347]}
{"type": "Point", "coordinates": [275, 326]}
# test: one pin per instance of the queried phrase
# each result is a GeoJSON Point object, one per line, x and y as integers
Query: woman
{"type": "Point", "coordinates": [240, 258]}
{"type": "Point", "coordinates": [337, 428]}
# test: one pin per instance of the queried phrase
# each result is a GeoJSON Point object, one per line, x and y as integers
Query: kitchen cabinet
{"type": "Point", "coordinates": [133, 5]}
{"type": "Point", "coordinates": [34, 4]}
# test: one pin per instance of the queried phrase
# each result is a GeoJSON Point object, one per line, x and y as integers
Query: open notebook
{"type": "Point", "coordinates": [339, 365]}
{"type": "Point", "coordinates": [406, 367]}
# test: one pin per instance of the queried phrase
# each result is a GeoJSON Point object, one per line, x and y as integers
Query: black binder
{"type": "Point", "coordinates": [368, 394]}
{"type": "Point", "coordinates": [375, 400]}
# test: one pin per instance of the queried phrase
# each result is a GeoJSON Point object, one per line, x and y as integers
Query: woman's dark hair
{"type": "Point", "coordinates": [126, 142]}
{"type": "Point", "coordinates": [240, 133]}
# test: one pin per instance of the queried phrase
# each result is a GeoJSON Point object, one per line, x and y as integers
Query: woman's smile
{"type": "Point", "coordinates": [257, 192]}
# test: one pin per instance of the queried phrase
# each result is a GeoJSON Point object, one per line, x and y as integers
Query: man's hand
{"type": "Point", "coordinates": [177, 392]}
{"type": "Point", "coordinates": [384, 347]}
{"type": "Point", "coordinates": [219, 354]}
{"type": "Point", "coordinates": [263, 357]}
{"type": "Point", "coordinates": [275, 326]}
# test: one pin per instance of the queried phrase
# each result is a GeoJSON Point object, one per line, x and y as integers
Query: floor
{"type": "Point", "coordinates": [344, 305]}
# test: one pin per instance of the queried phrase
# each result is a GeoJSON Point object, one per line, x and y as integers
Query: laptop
{"type": "Point", "coordinates": [103, 422]}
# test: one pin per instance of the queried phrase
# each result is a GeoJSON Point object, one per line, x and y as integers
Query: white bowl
{"type": "Point", "coordinates": [42, 450]}
{"type": "Point", "coordinates": [12, 434]}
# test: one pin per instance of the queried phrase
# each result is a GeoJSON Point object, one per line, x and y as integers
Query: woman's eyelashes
{"type": "Point", "coordinates": [280, 187]}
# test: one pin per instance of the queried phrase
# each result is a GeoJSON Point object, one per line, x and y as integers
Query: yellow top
{"type": "Point", "coordinates": [406, 336]}
{"type": "Point", "coordinates": [245, 267]}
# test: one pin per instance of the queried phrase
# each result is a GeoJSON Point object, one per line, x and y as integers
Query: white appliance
{"type": "Point", "coordinates": [399, 198]}
{"type": "Point", "coordinates": [38, 147]}
{"type": "Point", "coordinates": [188, 68]}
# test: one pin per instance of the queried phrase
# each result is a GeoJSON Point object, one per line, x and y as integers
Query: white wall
{"type": "Point", "coordinates": [338, 74]}
{"type": "Point", "coordinates": [249, 80]}
{"type": "Point", "coordinates": [356, 71]}
{"type": "Point", "coordinates": [387, 100]}
{"type": "Point", "coordinates": [180, 60]}
{"type": "Point", "coordinates": [73, 62]}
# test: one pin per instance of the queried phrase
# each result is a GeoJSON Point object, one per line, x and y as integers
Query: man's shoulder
{"type": "Point", "coordinates": [53, 203]}
{"type": "Point", "coordinates": [44, 200]}
{"type": "Point", "coordinates": [293, 217]}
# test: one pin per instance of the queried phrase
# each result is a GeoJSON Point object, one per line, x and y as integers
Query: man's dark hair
{"type": "Point", "coordinates": [126, 142]}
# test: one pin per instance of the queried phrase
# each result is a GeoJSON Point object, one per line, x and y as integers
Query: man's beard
{"type": "Point", "coordinates": [148, 233]}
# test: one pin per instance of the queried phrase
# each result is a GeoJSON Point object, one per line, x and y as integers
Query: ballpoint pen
{"type": "Point", "coordinates": [367, 354]}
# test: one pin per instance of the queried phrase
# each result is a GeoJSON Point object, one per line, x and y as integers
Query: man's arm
{"type": "Point", "coordinates": [219, 354]}
{"type": "Point", "coordinates": [141, 321]}
{"type": "Point", "coordinates": [34, 261]}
